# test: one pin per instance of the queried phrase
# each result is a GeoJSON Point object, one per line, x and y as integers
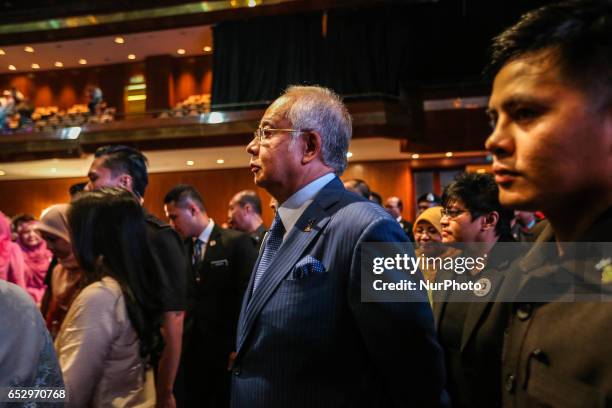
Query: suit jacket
{"type": "Point", "coordinates": [559, 353]}
{"type": "Point", "coordinates": [305, 337]}
{"type": "Point", "coordinates": [407, 227]}
{"type": "Point", "coordinates": [474, 368]}
{"type": "Point", "coordinates": [258, 236]}
{"type": "Point", "coordinates": [216, 289]}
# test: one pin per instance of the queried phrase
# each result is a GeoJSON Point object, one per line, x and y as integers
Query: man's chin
{"type": "Point", "coordinates": [516, 199]}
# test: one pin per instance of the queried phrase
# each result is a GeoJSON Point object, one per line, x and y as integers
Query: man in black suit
{"type": "Point", "coordinates": [222, 261]}
{"type": "Point", "coordinates": [244, 214]}
{"type": "Point", "coordinates": [394, 206]}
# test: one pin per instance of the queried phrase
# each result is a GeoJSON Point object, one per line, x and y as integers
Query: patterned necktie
{"type": "Point", "coordinates": [197, 252]}
{"type": "Point", "coordinates": [271, 245]}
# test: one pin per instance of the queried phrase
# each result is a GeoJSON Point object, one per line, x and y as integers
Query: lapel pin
{"type": "Point", "coordinates": [213, 243]}
{"type": "Point", "coordinates": [605, 266]}
{"type": "Point", "coordinates": [482, 287]}
{"type": "Point", "coordinates": [308, 226]}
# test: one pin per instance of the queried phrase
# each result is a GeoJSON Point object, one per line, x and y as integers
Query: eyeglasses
{"type": "Point", "coordinates": [452, 212]}
{"type": "Point", "coordinates": [263, 134]}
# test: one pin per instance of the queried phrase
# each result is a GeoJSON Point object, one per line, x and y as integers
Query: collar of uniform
{"type": "Point", "coordinates": [205, 234]}
{"type": "Point", "coordinates": [291, 210]}
{"type": "Point", "coordinates": [599, 231]}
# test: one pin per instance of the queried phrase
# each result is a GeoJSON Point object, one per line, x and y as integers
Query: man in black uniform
{"type": "Point", "coordinates": [244, 214]}
{"type": "Point", "coordinates": [394, 206]}
{"type": "Point", "coordinates": [551, 107]}
{"type": "Point", "coordinates": [122, 166]}
{"type": "Point", "coordinates": [222, 261]}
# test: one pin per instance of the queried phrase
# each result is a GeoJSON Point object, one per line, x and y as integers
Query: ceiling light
{"type": "Point", "coordinates": [28, 49]}
{"type": "Point", "coordinates": [349, 155]}
{"type": "Point", "coordinates": [220, 161]}
{"type": "Point", "coordinates": [119, 40]}
{"type": "Point", "coordinates": [58, 64]}
{"type": "Point", "coordinates": [35, 66]}
{"type": "Point", "coordinates": [252, 3]}
{"type": "Point", "coordinates": [415, 156]}
{"type": "Point", "coordinates": [207, 49]}
{"type": "Point", "coordinates": [449, 154]}
{"type": "Point", "coordinates": [190, 162]}
{"type": "Point", "coordinates": [2, 52]}
{"type": "Point", "coordinates": [53, 170]}
{"type": "Point", "coordinates": [131, 56]}
{"type": "Point", "coordinates": [82, 61]}
{"type": "Point", "coordinates": [12, 67]}
{"type": "Point", "coordinates": [180, 51]}
{"type": "Point", "coordinates": [2, 173]}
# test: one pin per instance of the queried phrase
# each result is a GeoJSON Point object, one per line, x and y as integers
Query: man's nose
{"type": "Point", "coordinates": [500, 142]}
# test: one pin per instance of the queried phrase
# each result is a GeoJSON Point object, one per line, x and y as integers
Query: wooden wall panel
{"type": "Point", "coordinates": [217, 187]}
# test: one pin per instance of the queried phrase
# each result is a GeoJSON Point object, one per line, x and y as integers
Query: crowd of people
{"type": "Point", "coordinates": [126, 310]}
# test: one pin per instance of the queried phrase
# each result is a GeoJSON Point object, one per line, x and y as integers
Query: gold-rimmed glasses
{"type": "Point", "coordinates": [452, 212]}
{"type": "Point", "coordinates": [262, 134]}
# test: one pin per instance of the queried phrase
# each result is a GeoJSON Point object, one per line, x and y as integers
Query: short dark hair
{"type": "Point", "coordinates": [19, 219]}
{"type": "Point", "coordinates": [579, 35]}
{"type": "Point", "coordinates": [109, 225]}
{"type": "Point", "coordinates": [181, 192]}
{"type": "Point", "coordinates": [250, 197]}
{"type": "Point", "coordinates": [124, 159]}
{"type": "Point", "coordinates": [76, 188]}
{"type": "Point", "coordinates": [480, 195]}
{"type": "Point", "coordinates": [360, 186]}
{"type": "Point", "coordinates": [375, 197]}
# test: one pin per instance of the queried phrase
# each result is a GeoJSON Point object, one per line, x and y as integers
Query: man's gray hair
{"type": "Point", "coordinates": [321, 109]}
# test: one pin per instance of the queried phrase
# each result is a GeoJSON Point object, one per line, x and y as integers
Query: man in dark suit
{"type": "Point", "coordinates": [222, 261]}
{"type": "Point", "coordinates": [244, 214]}
{"type": "Point", "coordinates": [394, 206]}
{"type": "Point", "coordinates": [551, 108]}
{"type": "Point", "coordinates": [305, 336]}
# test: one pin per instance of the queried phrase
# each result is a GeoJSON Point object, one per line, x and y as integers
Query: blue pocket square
{"type": "Point", "coordinates": [307, 266]}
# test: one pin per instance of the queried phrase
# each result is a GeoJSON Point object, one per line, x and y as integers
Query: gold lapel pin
{"type": "Point", "coordinates": [309, 226]}
{"type": "Point", "coordinates": [213, 243]}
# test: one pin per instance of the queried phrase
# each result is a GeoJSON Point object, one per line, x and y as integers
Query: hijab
{"type": "Point", "coordinates": [37, 260]}
{"type": "Point", "coordinates": [12, 265]}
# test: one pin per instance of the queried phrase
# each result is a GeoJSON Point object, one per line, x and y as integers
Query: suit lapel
{"type": "Point", "coordinates": [439, 297]}
{"type": "Point", "coordinates": [307, 228]}
{"type": "Point", "coordinates": [476, 309]}
{"type": "Point", "coordinates": [247, 294]}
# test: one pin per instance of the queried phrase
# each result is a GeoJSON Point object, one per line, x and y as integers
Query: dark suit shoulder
{"type": "Point", "coordinates": [235, 238]}
{"type": "Point", "coordinates": [156, 223]}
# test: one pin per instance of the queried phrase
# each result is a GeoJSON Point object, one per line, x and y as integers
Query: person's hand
{"type": "Point", "coordinates": [230, 360]}
{"type": "Point", "coordinates": [166, 401]}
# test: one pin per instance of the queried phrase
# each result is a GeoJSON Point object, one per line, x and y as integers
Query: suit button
{"type": "Point", "coordinates": [539, 355]}
{"type": "Point", "coordinates": [510, 383]}
{"type": "Point", "coordinates": [523, 311]}
{"type": "Point", "coordinates": [236, 371]}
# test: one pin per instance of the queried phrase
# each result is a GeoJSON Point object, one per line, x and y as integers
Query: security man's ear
{"type": "Point", "coordinates": [312, 146]}
{"type": "Point", "coordinates": [126, 181]}
{"type": "Point", "coordinates": [490, 220]}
